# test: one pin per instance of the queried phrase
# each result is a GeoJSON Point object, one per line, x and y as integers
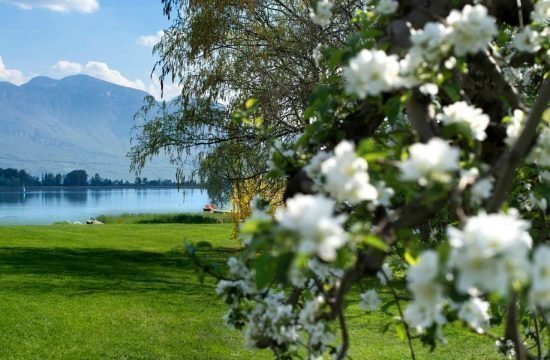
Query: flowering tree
{"type": "Point", "coordinates": [431, 124]}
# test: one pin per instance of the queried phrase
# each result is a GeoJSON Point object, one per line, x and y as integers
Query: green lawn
{"type": "Point", "coordinates": [127, 292]}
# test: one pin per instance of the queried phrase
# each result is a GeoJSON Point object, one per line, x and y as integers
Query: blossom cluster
{"type": "Point", "coordinates": [489, 256]}
{"type": "Point", "coordinates": [469, 116]}
{"type": "Point", "coordinates": [433, 160]}
{"type": "Point", "coordinates": [342, 174]}
{"type": "Point", "coordinates": [314, 241]}
{"type": "Point", "coordinates": [312, 218]}
{"type": "Point", "coordinates": [372, 72]}
{"type": "Point", "coordinates": [323, 13]}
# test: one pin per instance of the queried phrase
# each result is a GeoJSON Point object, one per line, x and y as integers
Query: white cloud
{"type": "Point", "coordinates": [98, 70]}
{"type": "Point", "coordinates": [170, 90]}
{"type": "Point", "coordinates": [83, 6]}
{"type": "Point", "coordinates": [102, 71]}
{"type": "Point", "coordinates": [150, 40]}
{"type": "Point", "coordinates": [12, 75]}
{"type": "Point", "coordinates": [65, 67]}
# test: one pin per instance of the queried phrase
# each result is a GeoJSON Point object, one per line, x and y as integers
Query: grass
{"type": "Point", "coordinates": [177, 218]}
{"type": "Point", "coordinates": [127, 292]}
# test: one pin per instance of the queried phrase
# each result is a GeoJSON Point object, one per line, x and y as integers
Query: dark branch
{"type": "Point", "coordinates": [507, 164]}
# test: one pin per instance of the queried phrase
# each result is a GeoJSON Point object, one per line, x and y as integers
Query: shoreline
{"type": "Point", "coordinates": [19, 189]}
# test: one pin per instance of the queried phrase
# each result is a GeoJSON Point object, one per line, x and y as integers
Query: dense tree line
{"type": "Point", "coordinates": [14, 178]}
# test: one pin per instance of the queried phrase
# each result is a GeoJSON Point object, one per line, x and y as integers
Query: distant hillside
{"type": "Point", "coordinates": [78, 122]}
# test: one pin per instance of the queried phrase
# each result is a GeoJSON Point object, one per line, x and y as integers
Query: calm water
{"type": "Point", "coordinates": [48, 206]}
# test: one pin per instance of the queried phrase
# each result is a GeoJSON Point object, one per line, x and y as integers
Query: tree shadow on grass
{"type": "Point", "coordinates": [93, 270]}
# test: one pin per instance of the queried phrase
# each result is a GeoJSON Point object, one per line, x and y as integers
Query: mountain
{"type": "Point", "coordinates": [78, 122]}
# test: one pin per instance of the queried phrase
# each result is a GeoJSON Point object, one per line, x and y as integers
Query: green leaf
{"type": "Point", "coordinates": [250, 226]}
{"type": "Point", "coordinates": [392, 107]}
{"type": "Point", "coordinates": [409, 258]}
{"type": "Point", "coordinates": [401, 331]}
{"type": "Point", "coordinates": [250, 103]}
{"type": "Point", "coordinates": [366, 146]}
{"type": "Point", "coordinates": [375, 242]}
{"type": "Point", "coordinates": [265, 266]}
{"type": "Point", "coordinates": [452, 92]}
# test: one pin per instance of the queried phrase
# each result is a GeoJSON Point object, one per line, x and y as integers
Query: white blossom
{"type": "Point", "coordinates": [313, 168]}
{"type": "Point", "coordinates": [490, 253]}
{"type": "Point", "coordinates": [232, 291]}
{"type": "Point", "coordinates": [541, 151]}
{"type": "Point", "coordinates": [371, 72]}
{"type": "Point", "coordinates": [475, 312]}
{"type": "Point", "coordinates": [462, 113]}
{"type": "Point", "coordinates": [346, 176]}
{"type": "Point", "coordinates": [468, 176]}
{"type": "Point", "coordinates": [450, 63]}
{"type": "Point", "coordinates": [297, 277]}
{"type": "Point", "coordinates": [432, 159]}
{"type": "Point", "coordinates": [541, 11]}
{"type": "Point", "coordinates": [482, 190]}
{"type": "Point", "coordinates": [320, 337]}
{"type": "Point", "coordinates": [322, 13]}
{"type": "Point", "coordinates": [319, 334]}
{"type": "Point", "coordinates": [539, 293]}
{"type": "Point", "coordinates": [370, 300]}
{"type": "Point", "coordinates": [408, 69]}
{"type": "Point", "coordinates": [531, 201]}
{"type": "Point", "coordinates": [311, 217]}
{"type": "Point", "coordinates": [324, 272]}
{"type": "Point", "coordinates": [527, 40]}
{"type": "Point", "coordinates": [424, 271]}
{"type": "Point", "coordinates": [237, 268]}
{"type": "Point", "coordinates": [386, 7]}
{"type": "Point", "coordinates": [472, 29]}
{"type": "Point", "coordinates": [385, 274]}
{"type": "Point", "coordinates": [423, 315]}
{"type": "Point", "coordinates": [317, 55]}
{"type": "Point", "coordinates": [384, 197]}
{"type": "Point", "coordinates": [507, 348]}
{"type": "Point", "coordinates": [515, 126]}
{"type": "Point", "coordinates": [427, 307]}
{"type": "Point", "coordinates": [431, 42]}
{"type": "Point", "coordinates": [429, 89]}
{"type": "Point", "coordinates": [308, 314]}
{"type": "Point", "coordinates": [272, 318]}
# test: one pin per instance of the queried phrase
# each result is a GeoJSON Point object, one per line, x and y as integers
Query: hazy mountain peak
{"type": "Point", "coordinates": [40, 81]}
{"type": "Point", "coordinates": [78, 122]}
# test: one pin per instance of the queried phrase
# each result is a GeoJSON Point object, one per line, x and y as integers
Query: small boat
{"type": "Point", "coordinates": [209, 208]}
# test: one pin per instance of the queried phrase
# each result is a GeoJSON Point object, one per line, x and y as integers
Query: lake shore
{"type": "Point", "coordinates": [42, 206]}
{"type": "Point", "coordinates": [19, 189]}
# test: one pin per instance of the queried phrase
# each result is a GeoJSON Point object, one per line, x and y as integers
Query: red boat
{"type": "Point", "coordinates": [209, 208]}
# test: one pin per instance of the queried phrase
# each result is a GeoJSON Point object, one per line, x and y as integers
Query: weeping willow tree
{"type": "Point", "coordinates": [222, 53]}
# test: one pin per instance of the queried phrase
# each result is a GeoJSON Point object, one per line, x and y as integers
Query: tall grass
{"type": "Point", "coordinates": [182, 218]}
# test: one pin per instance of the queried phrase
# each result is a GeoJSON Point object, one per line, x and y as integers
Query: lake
{"type": "Point", "coordinates": [49, 206]}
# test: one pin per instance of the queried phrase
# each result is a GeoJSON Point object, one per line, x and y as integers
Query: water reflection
{"type": "Point", "coordinates": [48, 206]}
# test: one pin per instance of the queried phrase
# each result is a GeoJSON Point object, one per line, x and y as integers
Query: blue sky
{"type": "Point", "coordinates": [108, 39]}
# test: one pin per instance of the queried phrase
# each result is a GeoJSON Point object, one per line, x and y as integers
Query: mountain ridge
{"type": "Point", "coordinates": [78, 122]}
